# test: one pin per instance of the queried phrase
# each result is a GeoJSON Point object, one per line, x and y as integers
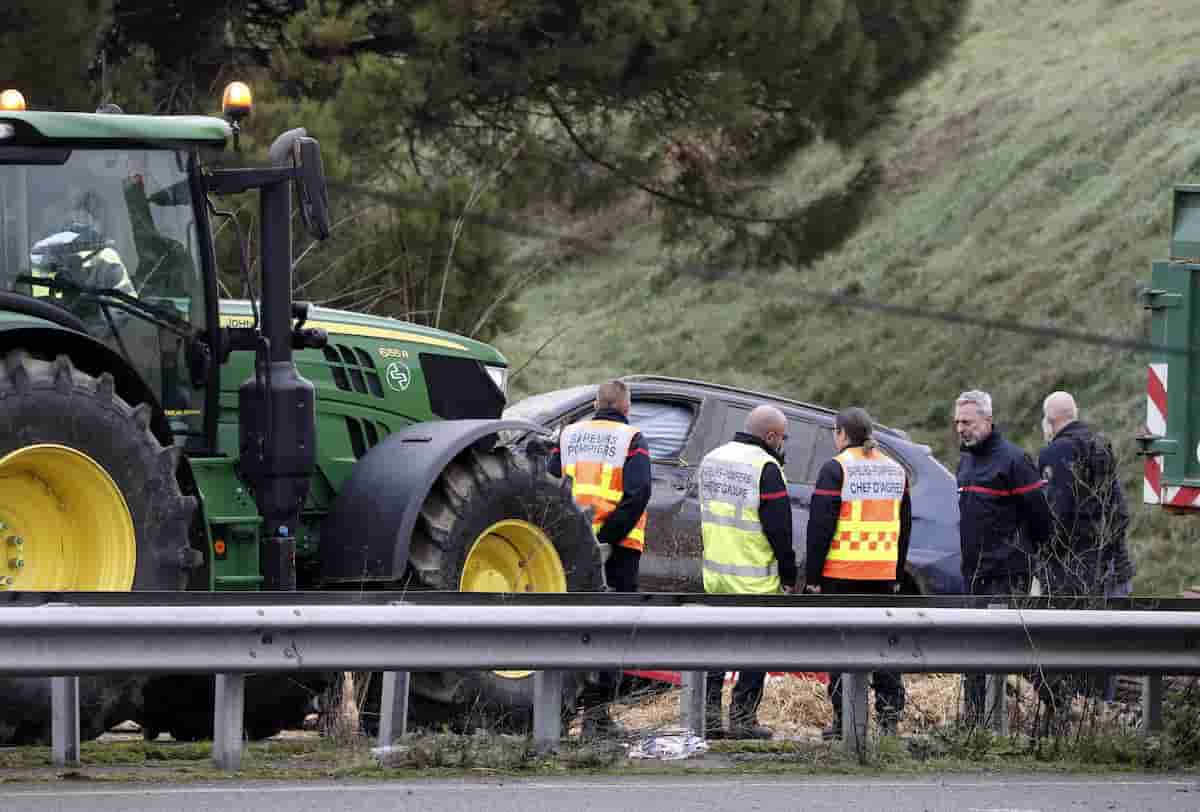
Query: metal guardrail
{"type": "Point", "coordinates": [360, 597]}
{"type": "Point", "coordinates": [62, 640]}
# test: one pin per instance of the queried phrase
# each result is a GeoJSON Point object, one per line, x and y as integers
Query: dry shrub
{"type": "Point", "coordinates": [342, 722]}
{"type": "Point", "coordinates": [799, 708]}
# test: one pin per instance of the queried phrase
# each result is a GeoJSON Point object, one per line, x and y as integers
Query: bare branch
{"type": "Point", "coordinates": [477, 190]}
{"type": "Point", "coordinates": [512, 287]}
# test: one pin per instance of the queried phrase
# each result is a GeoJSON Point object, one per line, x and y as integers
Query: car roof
{"type": "Point", "coordinates": [717, 388]}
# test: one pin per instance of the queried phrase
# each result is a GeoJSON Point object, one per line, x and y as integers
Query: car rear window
{"type": "Point", "coordinates": [798, 450]}
{"type": "Point", "coordinates": [802, 437]}
{"type": "Point", "coordinates": [823, 451]}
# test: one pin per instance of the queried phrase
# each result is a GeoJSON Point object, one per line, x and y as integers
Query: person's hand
{"type": "Point", "coordinates": [812, 589]}
{"type": "Point", "coordinates": [788, 590]}
{"type": "Point", "coordinates": [896, 588]}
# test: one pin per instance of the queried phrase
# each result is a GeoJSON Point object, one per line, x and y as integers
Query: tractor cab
{"type": "Point", "coordinates": [100, 228]}
{"type": "Point", "coordinates": [104, 232]}
{"type": "Point", "coordinates": [109, 234]}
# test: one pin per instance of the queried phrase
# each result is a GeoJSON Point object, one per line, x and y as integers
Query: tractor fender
{"type": "Point", "coordinates": [90, 356]}
{"type": "Point", "coordinates": [366, 535]}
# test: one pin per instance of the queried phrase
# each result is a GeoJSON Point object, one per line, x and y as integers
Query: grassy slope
{"type": "Point", "coordinates": [1029, 178]}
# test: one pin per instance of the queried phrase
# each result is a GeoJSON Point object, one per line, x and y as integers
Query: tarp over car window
{"type": "Point", "coordinates": [664, 425]}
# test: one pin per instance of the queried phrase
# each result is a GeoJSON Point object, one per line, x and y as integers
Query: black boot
{"type": "Point", "coordinates": [713, 729]}
{"type": "Point", "coordinates": [834, 731]}
{"type": "Point", "coordinates": [599, 724]}
{"type": "Point", "coordinates": [745, 726]}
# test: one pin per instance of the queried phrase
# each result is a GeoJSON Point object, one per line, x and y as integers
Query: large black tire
{"type": "Point", "coordinates": [182, 705]}
{"type": "Point", "coordinates": [475, 492]}
{"type": "Point", "coordinates": [44, 401]}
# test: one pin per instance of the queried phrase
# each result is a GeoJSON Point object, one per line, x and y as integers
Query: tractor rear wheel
{"type": "Point", "coordinates": [89, 500]}
{"type": "Point", "coordinates": [497, 522]}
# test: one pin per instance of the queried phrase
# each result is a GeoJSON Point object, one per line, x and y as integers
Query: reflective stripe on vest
{"type": "Point", "coordinates": [593, 455]}
{"type": "Point", "coordinates": [92, 261]}
{"type": "Point", "coordinates": [741, 572]}
{"type": "Point", "coordinates": [866, 542]}
{"type": "Point", "coordinates": [737, 556]}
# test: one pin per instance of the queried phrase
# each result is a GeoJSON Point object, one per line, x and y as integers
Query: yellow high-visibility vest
{"type": "Point", "coordinates": [737, 555]}
{"type": "Point", "coordinates": [593, 455]}
{"type": "Point", "coordinates": [106, 259]}
{"type": "Point", "coordinates": [866, 543]}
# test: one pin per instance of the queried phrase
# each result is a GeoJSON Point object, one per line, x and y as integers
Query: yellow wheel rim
{"type": "Point", "coordinates": [64, 525]}
{"type": "Point", "coordinates": [513, 556]}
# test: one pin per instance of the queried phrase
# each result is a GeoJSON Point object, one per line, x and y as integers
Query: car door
{"type": "Point", "coordinates": [672, 537]}
{"type": "Point", "coordinates": [802, 475]}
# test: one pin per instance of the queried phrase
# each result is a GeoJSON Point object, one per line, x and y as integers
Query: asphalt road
{"type": "Point", "coordinates": [643, 793]}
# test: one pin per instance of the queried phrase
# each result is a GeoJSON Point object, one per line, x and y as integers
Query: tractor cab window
{"type": "Point", "coordinates": [110, 235]}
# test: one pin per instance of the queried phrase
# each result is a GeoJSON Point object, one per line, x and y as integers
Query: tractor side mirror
{"type": "Point", "coordinates": [310, 185]}
{"type": "Point", "coordinates": [304, 154]}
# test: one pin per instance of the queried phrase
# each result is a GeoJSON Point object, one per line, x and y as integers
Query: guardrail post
{"type": "Point", "coordinates": [854, 711]}
{"type": "Point", "coordinates": [547, 709]}
{"type": "Point", "coordinates": [393, 711]}
{"type": "Point", "coordinates": [228, 721]}
{"type": "Point", "coordinates": [996, 696]}
{"type": "Point", "coordinates": [996, 705]}
{"type": "Point", "coordinates": [691, 702]}
{"type": "Point", "coordinates": [1152, 702]}
{"type": "Point", "coordinates": [64, 720]}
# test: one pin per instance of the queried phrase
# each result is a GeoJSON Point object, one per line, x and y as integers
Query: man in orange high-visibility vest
{"type": "Point", "coordinates": [608, 461]}
{"type": "Point", "coordinates": [859, 524]}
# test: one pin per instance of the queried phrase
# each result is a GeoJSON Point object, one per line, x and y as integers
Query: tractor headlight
{"type": "Point", "coordinates": [499, 376]}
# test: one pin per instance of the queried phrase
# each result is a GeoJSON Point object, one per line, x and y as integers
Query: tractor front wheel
{"type": "Point", "coordinates": [497, 522]}
{"type": "Point", "coordinates": [89, 500]}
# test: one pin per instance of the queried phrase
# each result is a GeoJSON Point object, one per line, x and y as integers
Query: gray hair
{"type": "Point", "coordinates": [981, 400]}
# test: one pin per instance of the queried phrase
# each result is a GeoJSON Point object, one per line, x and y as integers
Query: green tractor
{"type": "Point", "coordinates": [154, 436]}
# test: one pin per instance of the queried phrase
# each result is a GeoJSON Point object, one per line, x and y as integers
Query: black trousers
{"type": "Point", "coordinates": [621, 575]}
{"type": "Point", "coordinates": [743, 707]}
{"type": "Point", "coordinates": [890, 697]}
{"type": "Point", "coordinates": [621, 569]}
{"type": "Point", "coordinates": [1004, 585]}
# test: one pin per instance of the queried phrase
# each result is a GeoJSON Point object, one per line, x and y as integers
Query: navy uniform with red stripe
{"type": "Point", "coordinates": [1004, 521]}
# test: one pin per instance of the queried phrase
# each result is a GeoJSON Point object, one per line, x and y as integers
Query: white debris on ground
{"type": "Point", "coordinates": [668, 746]}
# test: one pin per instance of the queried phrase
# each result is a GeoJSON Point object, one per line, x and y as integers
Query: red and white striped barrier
{"type": "Point", "coordinates": [1156, 426]}
{"type": "Point", "coordinates": [1154, 492]}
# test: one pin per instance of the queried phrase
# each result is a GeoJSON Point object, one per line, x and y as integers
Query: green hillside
{"type": "Point", "coordinates": [1029, 179]}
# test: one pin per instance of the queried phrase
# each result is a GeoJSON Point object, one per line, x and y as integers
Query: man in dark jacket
{"type": "Point", "coordinates": [861, 497]}
{"type": "Point", "coordinates": [1087, 555]}
{"type": "Point", "coordinates": [608, 461]}
{"type": "Point", "coordinates": [1003, 516]}
{"type": "Point", "coordinates": [746, 519]}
